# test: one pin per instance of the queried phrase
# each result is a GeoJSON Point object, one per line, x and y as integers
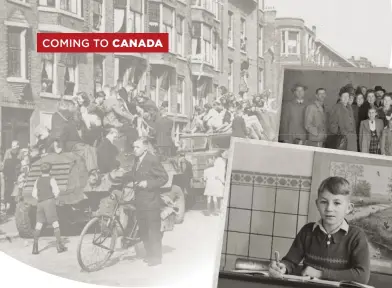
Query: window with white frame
{"type": "Point", "coordinates": [120, 16]}
{"type": "Point", "coordinates": [243, 35]}
{"type": "Point", "coordinates": [216, 9]}
{"type": "Point", "coordinates": [135, 17]}
{"type": "Point", "coordinates": [230, 35]}
{"type": "Point", "coordinates": [47, 73]}
{"type": "Point", "coordinates": [160, 87]}
{"type": "Point", "coordinates": [290, 42]}
{"type": "Point", "coordinates": [215, 52]}
{"type": "Point", "coordinates": [231, 76]}
{"type": "Point", "coordinates": [47, 3]}
{"type": "Point", "coordinates": [261, 36]}
{"type": "Point", "coordinates": [180, 35]}
{"type": "Point", "coordinates": [261, 80]}
{"type": "Point", "coordinates": [98, 72]}
{"type": "Point", "coordinates": [196, 38]}
{"type": "Point", "coordinates": [168, 26]}
{"type": "Point", "coordinates": [205, 4]}
{"type": "Point", "coordinates": [207, 43]}
{"type": "Point", "coordinates": [162, 20]}
{"type": "Point", "coordinates": [72, 6]}
{"type": "Point", "coordinates": [70, 75]}
{"type": "Point", "coordinates": [17, 52]}
{"type": "Point", "coordinates": [180, 95]}
{"type": "Point", "coordinates": [154, 14]}
{"type": "Point", "coordinates": [98, 15]}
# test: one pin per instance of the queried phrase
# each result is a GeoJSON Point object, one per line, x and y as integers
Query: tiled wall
{"type": "Point", "coordinates": [265, 212]}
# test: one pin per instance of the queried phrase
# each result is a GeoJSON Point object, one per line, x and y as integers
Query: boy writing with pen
{"type": "Point", "coordinates": [330, 248]}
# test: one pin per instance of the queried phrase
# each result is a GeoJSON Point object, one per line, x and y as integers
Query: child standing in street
{"type": "Point", "coordinates": [331, 249]}
{"type": "Point", "coordinates": [46, 191]}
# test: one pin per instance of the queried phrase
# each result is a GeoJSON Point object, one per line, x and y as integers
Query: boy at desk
{"type": "Point", "coordinates": [330, 248]}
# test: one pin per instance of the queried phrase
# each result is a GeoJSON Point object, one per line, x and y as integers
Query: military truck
{"type": "Point", "coordinates": [79, 198]}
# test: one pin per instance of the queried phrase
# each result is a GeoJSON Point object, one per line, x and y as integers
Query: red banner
{"type": "Point", "coordinates": [102, 42]}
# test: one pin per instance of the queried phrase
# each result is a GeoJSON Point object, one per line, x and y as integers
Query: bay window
{"type": "Point", "coordinates": [17, 52]}
{"type": "Point", "coordinates": [180, 35]}
{"type": "Point", "coordinates": [71, 75]}
{"type": "Point", "coordinates": [162, 20]}
{"type": "Point", "coordinates": [290, 42]}
{"type": "Point", "coordinates": [48, 73]}
{"type": "Point", "coordinates": [202, 42]}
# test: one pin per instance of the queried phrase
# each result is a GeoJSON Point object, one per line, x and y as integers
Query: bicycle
{"type": "Point", "coordinates": [110, 226]}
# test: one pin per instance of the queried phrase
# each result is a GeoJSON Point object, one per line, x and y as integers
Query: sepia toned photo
{"type": "Point", "coordinates": [272, 200]}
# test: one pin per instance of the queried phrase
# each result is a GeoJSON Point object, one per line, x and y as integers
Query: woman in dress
{"type": "Point", "coordinates": [211, 191]}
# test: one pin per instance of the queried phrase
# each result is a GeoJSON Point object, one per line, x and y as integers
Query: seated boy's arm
{"type": "Point", "coordinates": [296, 252]}
{"type": "Point", "coordinates": [360, 261]}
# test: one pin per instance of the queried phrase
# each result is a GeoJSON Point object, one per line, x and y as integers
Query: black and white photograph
{"type": "Point", "coordinates": [113, 165]}
{"type": "Point", "coordinates": [271, 206]}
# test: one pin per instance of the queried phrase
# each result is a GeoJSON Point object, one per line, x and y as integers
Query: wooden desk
{"type": "Point", "coordinates": [235, 280]}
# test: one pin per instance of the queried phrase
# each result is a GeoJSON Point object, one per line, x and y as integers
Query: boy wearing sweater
{"type": "Point", "coordinates": [330, 248]}
{"type": "Point", "coordinates": [46, 191]}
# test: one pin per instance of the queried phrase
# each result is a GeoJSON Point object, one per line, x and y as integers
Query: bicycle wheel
{"type": "Point", "coordinates": [104, 232]}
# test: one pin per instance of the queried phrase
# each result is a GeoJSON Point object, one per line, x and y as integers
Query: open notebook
{"type": "Point", "coordinates": [254, 267]}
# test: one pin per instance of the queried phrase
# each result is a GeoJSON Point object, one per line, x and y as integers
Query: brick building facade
{"type": "Point", "coordinates": [209, 42]}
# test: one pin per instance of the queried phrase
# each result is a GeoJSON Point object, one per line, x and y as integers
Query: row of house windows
{"type": "Point", "coordinates": [243, 35]}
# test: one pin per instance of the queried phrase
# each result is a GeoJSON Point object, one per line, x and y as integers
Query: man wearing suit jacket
{"type": "Point", "coordinates": [148, 175]}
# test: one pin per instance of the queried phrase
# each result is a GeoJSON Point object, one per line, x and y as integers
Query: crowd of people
{"type": "Point", "coordinates": [361, 120]}
{"type": "Point", "coordinates": [90, 127]}
{"type": "Point", "coordinates": [237, 115]}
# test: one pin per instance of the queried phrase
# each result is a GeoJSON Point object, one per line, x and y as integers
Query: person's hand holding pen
{"type": "Point", "coordinates": [277, 268]}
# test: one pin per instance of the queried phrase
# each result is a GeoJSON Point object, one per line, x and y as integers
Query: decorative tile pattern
{"type": "Point", "coordinates": [264, 215]}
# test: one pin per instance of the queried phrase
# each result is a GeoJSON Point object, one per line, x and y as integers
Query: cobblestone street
{"type": "Point", "coordinates": [180, 256]}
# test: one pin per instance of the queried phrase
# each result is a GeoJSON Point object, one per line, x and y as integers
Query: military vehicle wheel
{"type": "Point", "coordinates": [24, 220]}
{"type": "Point", "coordinates": [178, 198]}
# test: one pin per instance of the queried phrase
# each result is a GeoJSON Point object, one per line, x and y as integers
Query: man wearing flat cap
{"type": "Point", "coordinates": [292, 126]}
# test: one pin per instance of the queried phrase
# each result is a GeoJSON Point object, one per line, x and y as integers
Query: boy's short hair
{"type": "Point", "coordinates": [335, 185]}
{"type": "Point", "coordinates": [46, 167]}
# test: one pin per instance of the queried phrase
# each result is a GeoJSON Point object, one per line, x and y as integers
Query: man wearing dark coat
{"type": "Point", "coordinates": [107, 152]}
{"type": "Point", "coordinates": [292, 127]}
{"type": "Point", "coordinates": [148, 176]}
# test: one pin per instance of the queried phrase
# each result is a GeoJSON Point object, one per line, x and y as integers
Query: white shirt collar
{"type": "Point", "coordinates": [344, 226]}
